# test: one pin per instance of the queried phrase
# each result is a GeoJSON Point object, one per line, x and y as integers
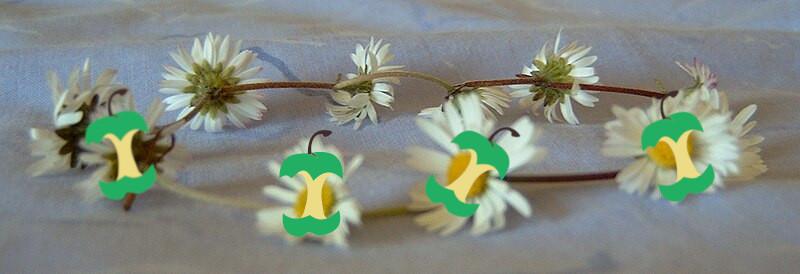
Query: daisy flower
{"type": "Point", "coordinates": [157, 147]}
{"type": "Point", "coordinates": [493, 102]}
{"type": "Point", "coordinates": [74, 109]}
{"type": "Point", "coordinates": [212, 65]}
{"type": "Point", "coordinates": [723, 144]}
{"type": "Point", "coordinates": [354, 103]}
{"type": "Point", "coordinates": [561, 65]}
{"type": "Point", "coordinates": [705, 83]}
{"type": "Point", "coordinates": [335, 198]}
{"type": "Point", "coordinates": [493, 194]}
{"type": "Point", "coordinates": [750, 164]}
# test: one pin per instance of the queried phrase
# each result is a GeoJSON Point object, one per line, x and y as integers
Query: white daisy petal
{"type": "Point", "coordinates": [721, 144]}
{"type": "Point", "coordinates": [428, 161]}
{"type": "Point", "coordinates": [351, 105]}
{"type": "Point", "coordinates": [280, 194]}
{"type": "Point", "coordinates": [270, 221]}
{"type": "Point", "coordinates": [569, 62]}
{"type": "Point", "coordinates": [496, 196]}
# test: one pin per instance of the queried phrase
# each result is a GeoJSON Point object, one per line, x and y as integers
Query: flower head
{"type": "Point", "coordinates": [722, 144]}
{"type": "Point", "coordinates": [492, 193]}
{"type": "Point", "coordinates": [749, 164]}
{"type": "Point", "coordinates": [704, 87]}
{"type": "Point", "coordinates": [212, 65]}
{"type": "Point", "coordinates": [74, 108]}
{"type": "Point", "coordinates": [335, 198]}
{"type": "Point", "coordinates": [156, 148]}
{"type": "Point", "coordinates": [493, 101]}
{"type": "Point", "coordinates": [561, 65]}
{"type": "Point", "coordinates": [354, 102]}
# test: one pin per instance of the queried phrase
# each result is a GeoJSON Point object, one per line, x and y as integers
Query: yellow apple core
{"type": "Point", "coordinates": [328, 200]}
{"type": "Point", "coordinates": [458, 164]}
{"type": "Point", "coordinates": [662, 155]}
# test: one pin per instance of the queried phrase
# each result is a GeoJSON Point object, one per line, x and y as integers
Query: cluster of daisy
{"type": "Point", "coordinates": [218, 62]}
{"type": "Point", "coordinates": [200, 87]}
{"type": "Point", "coordinates": [77, 105]}
{"type": "Point", "coordinates": [724, 143]}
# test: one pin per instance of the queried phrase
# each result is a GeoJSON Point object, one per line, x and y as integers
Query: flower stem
{"type": "Point", "coordinates": [444, 84]}
{"type": "Point", "coordinates": [127, 203]}
{"type": "Point", "coordinates": [269, 85]}
{"type": "Point", "coordinates": [394, 73]}
{"type": "Point", "coordinates": [533, 81]}
{"type": "Point", "coordinates": [201, 196]}
{"type": "Point", "coordinates": [173, 186]}
{"type": "Point", "coordinates": [562, 178]}
{"type": "Point", "coordinates": [186, 118]}
{"type": "Point", "coordinates": [385, 212]}
{"type": "Point", "coordinates": [334, 86]}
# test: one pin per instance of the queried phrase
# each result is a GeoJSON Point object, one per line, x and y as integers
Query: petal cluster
{"type": "Point", "coordinates": [355, 103]}
{"type": "Point", "coordinates": [75, 105]}
{"type": "Point", "coordinates": [723, 143]}
{"type": "Point", "coordinates": [157, 148]}
{"type": "Point", "coordinates": [569, 64]}
{"type": "Point", "coordinates": [493, 194]}
{"type": "Point", "coordinates": [200, 77]}
{"type": "Point", "coordinates": [291, 194]}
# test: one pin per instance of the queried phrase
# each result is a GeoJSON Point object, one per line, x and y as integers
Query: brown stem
{"type": "Point", "coordinates": [268, 85]}
{"type": "Point", "coordinates": [533, 81]}
{"type": "Point", "coordinates": [324, 133]}
{"type": "Point", "coordinates": [120, 91]}
{"type": "Point", "coordinates": [562, 178]}
{"type": "Point", "coordinates": [513, 131]}
{"type": "Point", "coordinates": [127, 203]}
{"type": "Point", "coordinates": [185, 119]}
{"type": "Point", "coordinates": [522, 80]}
{"type": "Point", "coordinates": [669, 94]}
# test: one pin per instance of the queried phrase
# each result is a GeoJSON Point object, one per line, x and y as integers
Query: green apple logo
{"type": "Point", "coordinates": [314, 168]}
{"type": "Point", "coordinates": [120, 130]}
{"type": "Point", "coordinates": [675, 132]}
{"type": "Point", "coordinates": [485, 156]}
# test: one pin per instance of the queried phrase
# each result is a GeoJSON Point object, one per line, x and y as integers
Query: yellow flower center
{"type": "Point", "coordinates": [662, 155]}
{"type": "Point", "coordinates": [458, 164]}
{"type": "Point", "coordinates": [328, 200]}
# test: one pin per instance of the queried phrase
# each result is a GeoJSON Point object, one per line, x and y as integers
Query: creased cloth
{"type": "Point", "coordinates": [751, 227]}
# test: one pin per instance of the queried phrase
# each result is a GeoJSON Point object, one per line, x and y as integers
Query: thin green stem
{"type": "Point", "coordinates": [385, 212]}
{"type": "Point", "coordinates": [198, 195]}
{"type": "Point", "coordinates": [206, 197]}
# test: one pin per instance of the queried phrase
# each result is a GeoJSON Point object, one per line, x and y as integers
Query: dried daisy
{"type": "Point", "coordinates": [74, 107]}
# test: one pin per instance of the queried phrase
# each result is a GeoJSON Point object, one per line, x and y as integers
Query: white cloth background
{"type": "Point", "coordinates": [748, 227]}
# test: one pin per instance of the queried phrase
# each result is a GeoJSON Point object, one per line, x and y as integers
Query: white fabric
{"type": "Point", "coordinates": [747, 227]}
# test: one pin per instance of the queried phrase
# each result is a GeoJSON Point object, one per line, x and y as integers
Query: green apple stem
{"type": "Point", "coordinates": [512, 130]}
{"type": "Point", "coordinates": [324, 133]}
{"type": "Point", "coordinates": [120, 91]}
{"type": "Point", "coordinates": [667, 95]}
